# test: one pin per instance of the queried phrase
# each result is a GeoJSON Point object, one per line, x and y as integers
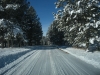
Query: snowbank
{"type": "Point", "coordinates": [9, 51]}
{"type": "Point", "coordinates": [89, 57]}
{"type": "Point", "coordinates": [14, 63]}
{"type": "Point", "coordinates": [8, 55]}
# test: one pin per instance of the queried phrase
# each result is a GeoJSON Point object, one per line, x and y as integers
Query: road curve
{"type": "Point", "coordinates": [52, 62]}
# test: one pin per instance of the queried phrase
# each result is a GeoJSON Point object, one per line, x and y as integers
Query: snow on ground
{"type": "Point", "coordinates": [9, 55]}
{"type": "Point", "coordinates": [9, 51]}
{"type": "Point", "coordinates": [15, 62]}
{"type": "Point", "coordinates": [89, 57]}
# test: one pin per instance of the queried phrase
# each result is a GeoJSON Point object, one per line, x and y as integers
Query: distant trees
{"type": "Point", "coordinates": [45, 40]}
{"type": "Point", "coordinates": [55, 36]}
{"type": "Point", "coordinates": [19, 21]}
{"type": "Point", "coordinates": [79, 20]}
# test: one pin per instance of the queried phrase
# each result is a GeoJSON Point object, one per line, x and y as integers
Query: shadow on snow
{"type": "Point", "coordinates": [4, 60]}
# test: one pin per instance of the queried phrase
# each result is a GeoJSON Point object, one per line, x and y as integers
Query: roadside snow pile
{"type": "Point", "coordinates": [89, 57]}
{"type": "Point", "coordinates": [14, 63]}
{"type": "Point", "coordinates": [8, 55]}
{"type": "Point", "coordinates": [9, 51]}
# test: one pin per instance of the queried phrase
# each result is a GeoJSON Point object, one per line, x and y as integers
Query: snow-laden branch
{"type": "Point", "coordinates": [12, 6]}
{"type": "Point", "coordinates": [1, 8]}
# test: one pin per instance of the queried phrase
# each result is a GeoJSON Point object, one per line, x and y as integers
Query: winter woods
{"type": "Point", "coordinates": [80, 21]}
{"type": "Point", "coordinates": [19, 24]}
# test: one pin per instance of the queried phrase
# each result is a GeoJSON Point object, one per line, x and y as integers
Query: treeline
{"type": "Point", "coordinates": [19, 24]}
{"type": "Point", "coordinates": [55, 36]}
{"type": "Point", "coordinates": [78, 22]}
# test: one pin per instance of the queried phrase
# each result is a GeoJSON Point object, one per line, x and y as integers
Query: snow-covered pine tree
{"type": "Point", "coordinates": [67, 22]}
{"type": "Point", "coordinates": [12, 11]}
{"type": "Point", "coordinates": [90, 15]}
{"type": "Point", "coordinates": [79, 19]}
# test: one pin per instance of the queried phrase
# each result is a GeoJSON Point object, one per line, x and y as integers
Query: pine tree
{"type": "Point", "coordinates": [79, 19]}
{"type": "Point", "coordinates": [32, 27]}
{"type": "Point", "coordinates": [22, 18]}
{"type": "Point", "coordinates": [10, 13]}
{"type": "Point", "coordinates": [55, 35]}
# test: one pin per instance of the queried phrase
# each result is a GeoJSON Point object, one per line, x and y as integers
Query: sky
{"type": "Point", "coordinates": [44, 9]}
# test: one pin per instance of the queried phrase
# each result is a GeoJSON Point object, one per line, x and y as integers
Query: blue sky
{"type": "Point", "coordinates": [44, 9]}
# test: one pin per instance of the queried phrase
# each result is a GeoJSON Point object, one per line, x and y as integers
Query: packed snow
{"type": "Point", "coordinates": [9, 57]}
{"type": "Point", "coordinates": [89, 57]}
{"type": "Point", "coordinates": [10, 51]}
{"type": "Point", "coordinates": [15, 62]}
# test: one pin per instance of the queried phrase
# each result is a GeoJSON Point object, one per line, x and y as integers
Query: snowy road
{"type": "Point", "coordinates": [51, 62]}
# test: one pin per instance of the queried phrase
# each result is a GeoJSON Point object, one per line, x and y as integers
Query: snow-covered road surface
{"type": "Point", "coordinates": [49, 61]}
